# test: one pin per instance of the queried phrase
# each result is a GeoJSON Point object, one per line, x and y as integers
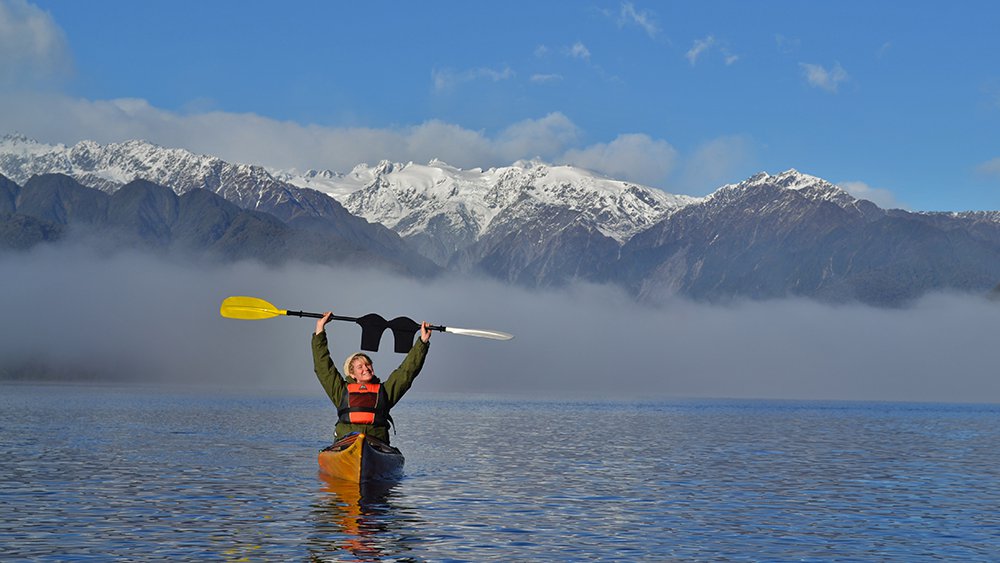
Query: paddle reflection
{"type": "Point", "coordinates": [356, 518]}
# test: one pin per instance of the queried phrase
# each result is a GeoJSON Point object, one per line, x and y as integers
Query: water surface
{"type": "Point", "coordinates": [106, 472]}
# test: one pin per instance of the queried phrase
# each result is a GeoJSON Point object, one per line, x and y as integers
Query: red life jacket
{"type": "Point", "coordinates": [364, 403]}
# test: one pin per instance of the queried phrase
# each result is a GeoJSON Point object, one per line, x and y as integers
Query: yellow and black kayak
{"type": "Point", "coordinates": [361, 459]}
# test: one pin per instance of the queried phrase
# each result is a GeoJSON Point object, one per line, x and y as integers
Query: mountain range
{"type": "Point", "coordinates": [537, 225]}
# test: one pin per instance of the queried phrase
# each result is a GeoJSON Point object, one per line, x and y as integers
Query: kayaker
{"type": "Point", "coordinates": [362, 399]}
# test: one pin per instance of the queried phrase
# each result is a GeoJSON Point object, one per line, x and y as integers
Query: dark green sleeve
{"type": "Point", "coordinates": [401, 379]}
{"type": "Point", "coordinates": [328, 375]}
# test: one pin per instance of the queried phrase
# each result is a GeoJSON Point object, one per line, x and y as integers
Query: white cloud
{"type": "Point", "coordinates": [579, 51]}
{"type": "Point", "coordinates": [714, 163]}
{"type": "Point", "coordinates": [544, 78]}
{"type": "Point", "coordinates": [703, 46]}
{"type": "Point", "coordinates": [447, 79]}
{"type": "Point", "coordinates": [629, 15]}
{"type": "Point", "coordinates": [880, 197]}
{"type": "Point", "coordinates": [820, 77]}
{"type": "Point", "coordinates": [546, 137]}
{"type": "Point", "coordinates": [635, 157]}
{"type": "Point", "coordinates": [990, 168]}
{"type": "Point", "coordinates": [699, 47]}
{"type": "Point", "coordinates": [251, 138]}
{"type": "Point", "coordinates": [33, 48]}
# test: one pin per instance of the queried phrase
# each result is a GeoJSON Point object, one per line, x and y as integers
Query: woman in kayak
{"type": "Point", "coordinates": [362, 399]}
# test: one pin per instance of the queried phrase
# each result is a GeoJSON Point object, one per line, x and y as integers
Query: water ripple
{"type": "Point", "coordinates": [119, 474]}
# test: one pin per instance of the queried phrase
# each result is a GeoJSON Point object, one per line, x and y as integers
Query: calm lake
{"type": "Point", "coordinates": [97, 473]}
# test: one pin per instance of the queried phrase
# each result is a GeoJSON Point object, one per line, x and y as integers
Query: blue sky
{"type": "Point", "coordinates": [898, 103]}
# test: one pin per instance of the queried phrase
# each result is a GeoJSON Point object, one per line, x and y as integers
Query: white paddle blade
{"type": "Point", "coordinates": [494, 334]}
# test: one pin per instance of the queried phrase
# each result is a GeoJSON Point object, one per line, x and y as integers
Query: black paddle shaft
{"type": "Point", "coordinates": [317, 316]}
{"type": "Point", "coordinates": [372, 327]}
{"type": "Point", "coordinates": [349, 319]}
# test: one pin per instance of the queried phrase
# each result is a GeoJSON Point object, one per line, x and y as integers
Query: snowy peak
{"type": "Point", "coordinates": [18, 144]}
{"type": "Point", "coordinates": [444, 210]}
{"type": "Point", "coordinates": [415, 194]}
{"type": "Point", "coordinates": [810, 187]}
{"type": "Point", "coordinates": [789, 180]}
{"type": "Point", "coordinates": [105, 167]}
{"type": "Point", "coordinates": [109, 167]}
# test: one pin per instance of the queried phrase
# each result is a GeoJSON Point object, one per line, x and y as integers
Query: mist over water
{"type": "Point", "coordinates": [146, 319]}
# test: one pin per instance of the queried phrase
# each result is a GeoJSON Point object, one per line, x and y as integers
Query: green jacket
{"type": "Point", "coordinates": [333, 383]}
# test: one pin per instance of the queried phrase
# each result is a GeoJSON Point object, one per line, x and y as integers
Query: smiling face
{"type": "Point", "coordinates": [361, 369]}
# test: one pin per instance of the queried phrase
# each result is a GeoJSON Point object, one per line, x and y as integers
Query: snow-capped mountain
{"type": "Point", "coordinates": [109, 167]}
{"type": "Point", "coordinates": [769, 236]}
{"type": "Point", "coordinates": [441, 210]}
{"type": "Point", "coordinates": [810, 187]}
{"type": "Point", "coordinates": [794, 234]}
{"type": "Point", "coordinates": [410, 197]}
{"type": "Point", "coordinates": [445, 210]}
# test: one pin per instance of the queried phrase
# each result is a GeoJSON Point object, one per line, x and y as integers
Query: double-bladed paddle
{"type": "Point", "coordinates": [253, 308]}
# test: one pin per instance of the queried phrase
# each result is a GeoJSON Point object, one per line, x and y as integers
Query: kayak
{"type": "Point", "coordinates": [361, 459]}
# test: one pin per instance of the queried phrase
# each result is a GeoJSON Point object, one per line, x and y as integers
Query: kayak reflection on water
{"type": "Point", "coordinates": [356, 518]}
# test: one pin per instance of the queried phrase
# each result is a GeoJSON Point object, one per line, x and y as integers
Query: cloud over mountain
{"type": "Point", "coordinates": [33, 48]}
{"type": "Point", "coordinates": [141, 319]}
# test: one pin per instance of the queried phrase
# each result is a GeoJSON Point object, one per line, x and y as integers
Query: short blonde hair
{"type": "Point", "coordinates": [350, 359]}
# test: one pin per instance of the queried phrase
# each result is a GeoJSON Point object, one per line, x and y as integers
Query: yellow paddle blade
{"type": "Point", "coordinates": [249, 308]}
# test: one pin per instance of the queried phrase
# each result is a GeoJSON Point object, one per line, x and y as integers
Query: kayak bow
{"type": "Point", "coordinates": [361, 459]}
